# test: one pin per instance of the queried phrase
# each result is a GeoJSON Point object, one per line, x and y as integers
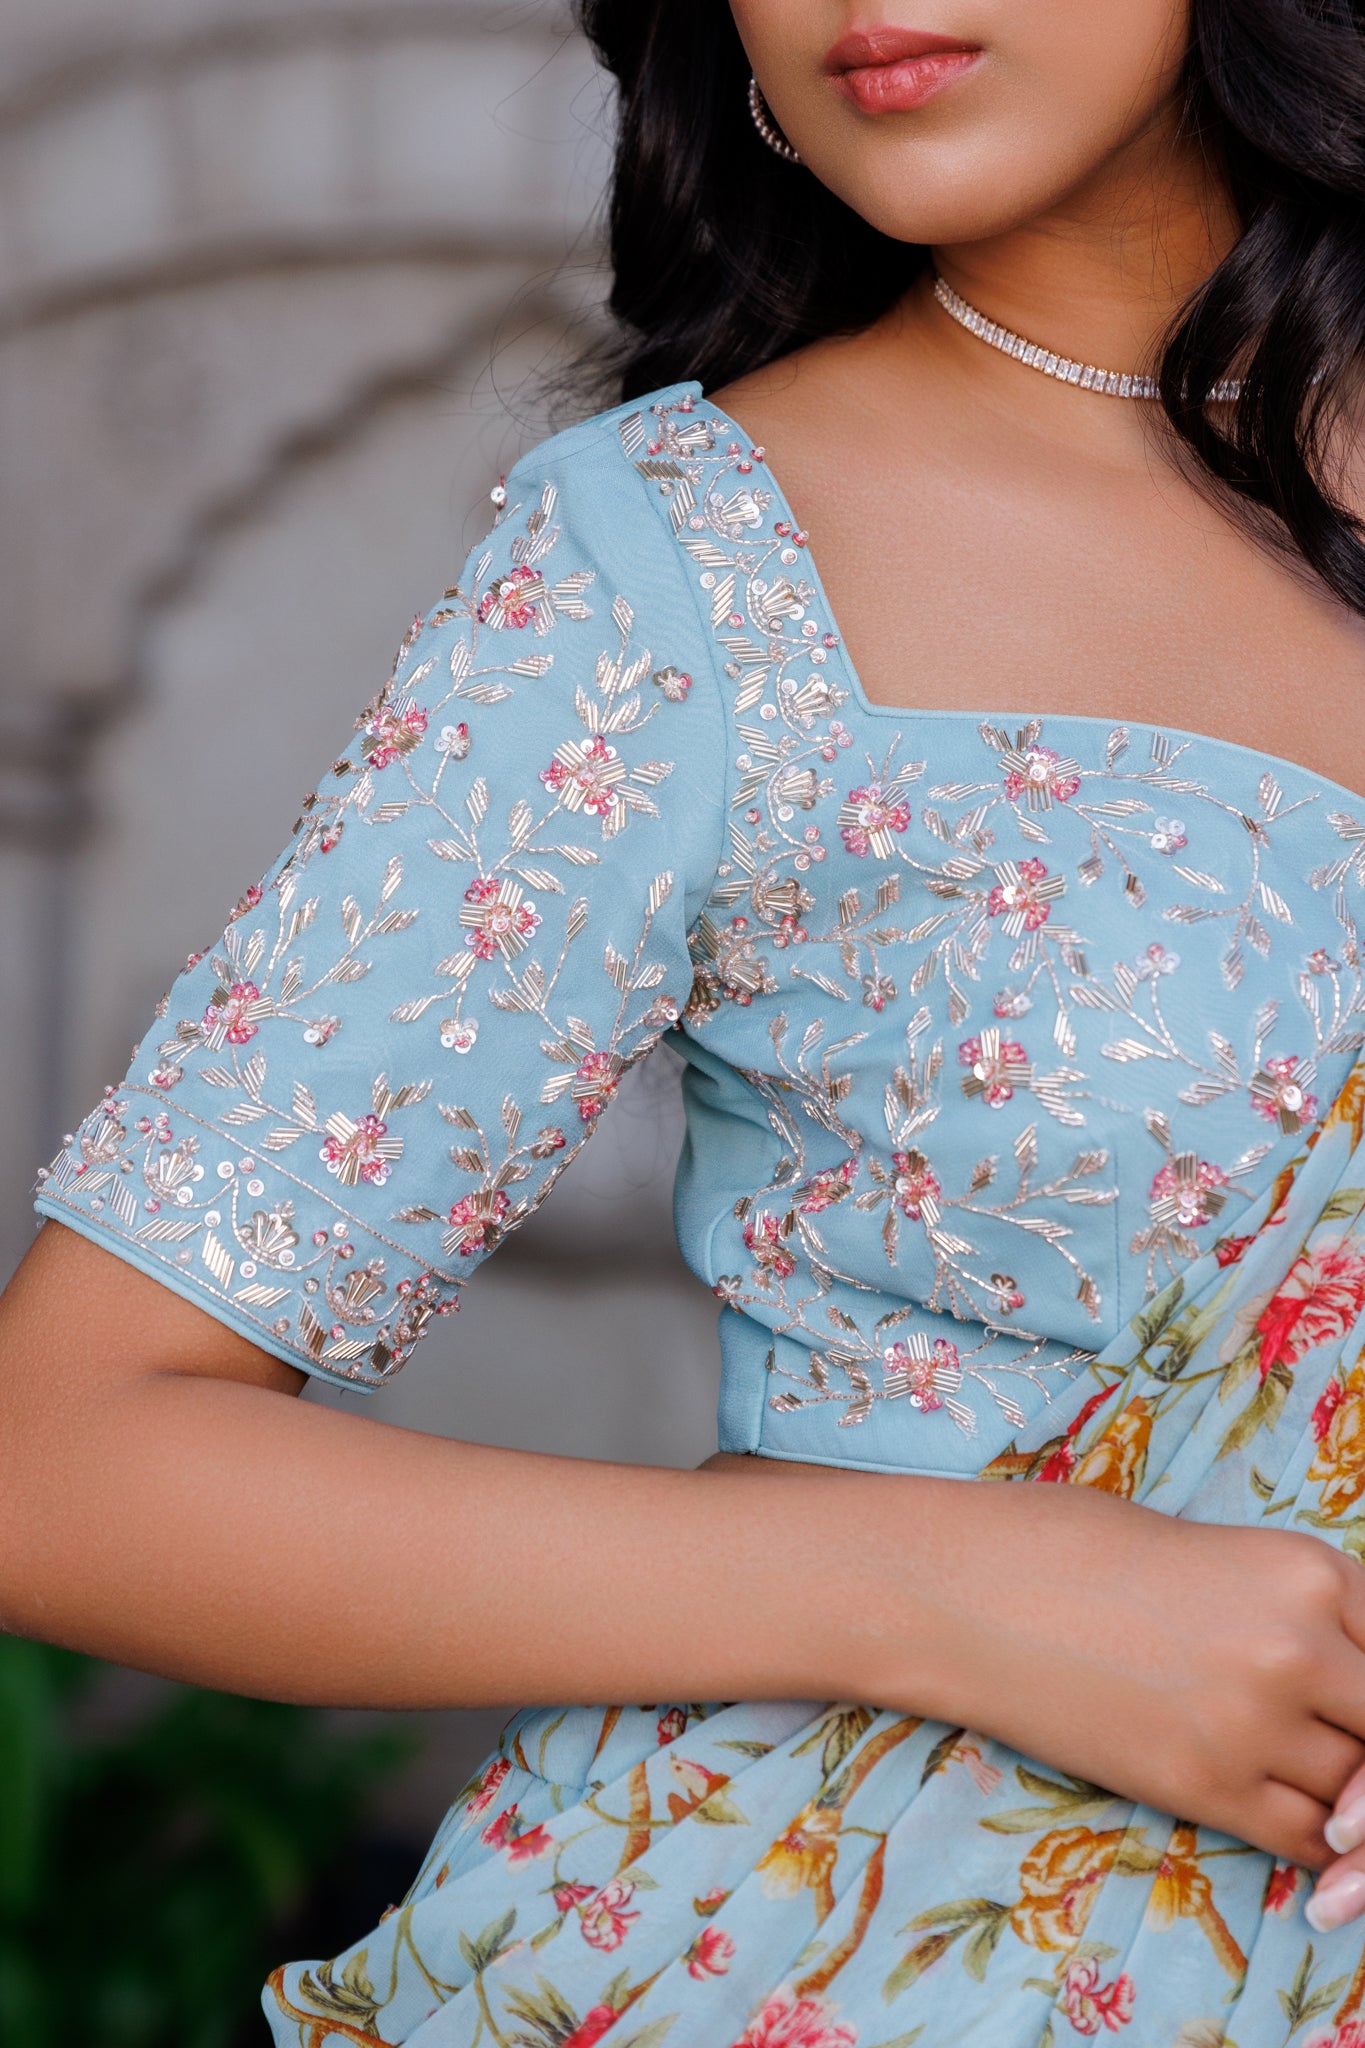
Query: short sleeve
{"type": "Point", "coordinates": [414, 1022]}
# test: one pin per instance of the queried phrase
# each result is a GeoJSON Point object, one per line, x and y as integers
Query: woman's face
{"type": "Point", "coordinates": [946, 121]}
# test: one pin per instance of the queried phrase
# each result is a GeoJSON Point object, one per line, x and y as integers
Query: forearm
{"type": "Point", "coordinates": [237, 1537]}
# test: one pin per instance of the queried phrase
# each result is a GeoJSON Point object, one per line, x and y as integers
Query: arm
{"type": "Point", "coordinates": [167, 1505]}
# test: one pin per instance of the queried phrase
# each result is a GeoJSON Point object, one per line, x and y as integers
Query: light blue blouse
{"type": "Point", "coordinates": [990, 1023]}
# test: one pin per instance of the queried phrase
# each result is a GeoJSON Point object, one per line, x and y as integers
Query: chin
{"type": "Point", "coordinates": [944, 197]}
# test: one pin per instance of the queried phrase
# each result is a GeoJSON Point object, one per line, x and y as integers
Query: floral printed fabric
{"type": "Point", "coordinates": [1024, 1115]}
{"type": "Point", "coordinates": [802, 1876]}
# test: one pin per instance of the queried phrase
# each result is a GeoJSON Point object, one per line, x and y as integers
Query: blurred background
{"type": "Point", "coordinates": [284, 286]}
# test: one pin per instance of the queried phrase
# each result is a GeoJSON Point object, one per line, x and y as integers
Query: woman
{"type": "Point", "coordinates": [1012, 945]}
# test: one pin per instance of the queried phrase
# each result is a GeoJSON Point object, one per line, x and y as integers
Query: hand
{"type": "Point", "coordinates": [1215, 1673]}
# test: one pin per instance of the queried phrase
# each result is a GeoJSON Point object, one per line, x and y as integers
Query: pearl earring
{"type": "Point", "coordinates": [767, 128]}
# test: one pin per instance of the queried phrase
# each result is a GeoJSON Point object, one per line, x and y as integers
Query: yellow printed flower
{"type": "Point", "coordinates": [1060, 1879]}
{"type": "Point", "coordinates": [1114, 1463]}
{"type": "Point", "coordinates": [803, 1858]}
{"type": "Point", "coordinates": [1339, 1425]}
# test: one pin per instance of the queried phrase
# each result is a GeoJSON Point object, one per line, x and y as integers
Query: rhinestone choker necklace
{"type": "Point", "coordinates": [1109, 383]}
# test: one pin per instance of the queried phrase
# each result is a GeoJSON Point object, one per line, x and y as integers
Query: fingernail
{"type": "Point", "coordinates": [1346, 1831]}
{"type": "Point", "coordinates": [1335, 1901]}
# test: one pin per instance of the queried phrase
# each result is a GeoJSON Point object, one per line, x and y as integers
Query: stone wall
{"type": "Point", "coordinates": [281, 286]}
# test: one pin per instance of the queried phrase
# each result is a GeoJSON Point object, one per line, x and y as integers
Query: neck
{"type": "Point", "coordinates": [1101, 275]}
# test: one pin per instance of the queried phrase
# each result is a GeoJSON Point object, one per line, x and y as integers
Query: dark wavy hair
{"type": "Point", "coordinates": [726, 257]}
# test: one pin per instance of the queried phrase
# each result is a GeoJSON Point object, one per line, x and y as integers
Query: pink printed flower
{"type": "Point", "coordinates": [827, 1187]}
{"type": "Point", "coordinates": [1281, 1888]}
{"type": "Point", "coordinates": [357, 1152]}
{"type": "Point", "coordinates": [1229, 1251]}
{"type": "Point", "coordinates": [476, 1222]}
{"type": "Point", "coordinates": [1351, 2035]}
{"type": "Point", "coordinates": [1040, 774]}
{"type": "Point", "coordinates": [497, 918]}
{"type": "Point", "coordinates": [596, 1079]}
{"type": "Point", "coordinates": [486, 1791]}
{"type": "Point", "coordinates": [605, 1919]}
{"type": "Point", "coordinates": [786, 2021]}
{"type": "Point", "coordinates": [567, 1896]}
{"type": "Point", "coordinates": [763, 1237]}
{"type": "Point", "coordinates": [868, 817]}
{"type": "Point", "coordinates": [1279, 1095]}
{"type": "Point", "coordinates": [671, 1725]}
{"type": "Point", "coordinates": [532, 1842]}
{"type": "Point", "coordinates": [599, 2020]}
{"type": "Point", "coordinates": [393, 731]}
{"type": "Point", "coordinates": [922, 1370]}
{"type": "Point", "coordinates": [997, 1066]}
{"type": "Point", "coordinates": [1329, 1400]}
{"type": "Point", "coordinates": [1023, 895]}
{"type": "Point", "coordinates": [710, 1954]}
{"type": "Point", "coordinates": [1058, 1467]}
{"type": "Point", "coordinates": [501, 1829]}
{"type": "Point", "coordinates": [510, 600]}
{"type": "Point", "coordinates": [916, 1186]}
{"type": "Point", "coordinates": [232, 1013]}
{"type": "Point", "coordinates": [1090, 2005]}
{"type": "Point", "coordinates": [1187, 1192]}
{"type": "Point", "coordinates": [584, 777]}
{"type": "Point", "coordinates": [1318, 1303]}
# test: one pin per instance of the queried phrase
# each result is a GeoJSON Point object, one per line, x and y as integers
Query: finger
{"type": "Point", "coordinates": [1339, 1894]}
{"type": "Point", "coordinates": [1286, 1823]}
{"type": "Point", "coordinates": [1323, 1761]}
{"type": "Point", "coordinates": [1346, 1828]}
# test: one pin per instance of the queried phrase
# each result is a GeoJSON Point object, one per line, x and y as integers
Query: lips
{"type": "Point", "coordinates": [893, 70]}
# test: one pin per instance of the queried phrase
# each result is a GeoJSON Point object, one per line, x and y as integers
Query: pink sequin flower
{"type": "Point", "coordinates": [996, 1067]}
{"type": "Point", "coordinates": [476, 1222]}
{"type": "Point", "coordinates": [1279, 1094]}
{"type": "Point", "coordinates": [584, 775]}
{"type": "Point", "coordinates": [868, 817]}
{"type": "Point", "coordinates": [1040, 776]}
{"type": "Point", "coordinates": [511, 600]}
{"type": "Point", "coordinates": [233, 1013]}
{"type": "Point", "coordinates": [827, 1187]}
{"type": "Point", "coordinates": [596, 1079]}
{"type": "Point", "coordinates": [763, 1238]}
{"type": "Point", "coordinates": [1023, 895]}
{"type": "Point", "coordinates": [394, 731]}
{"type": "Point", "coordinates": [498, 917]}
{"type": "Point", "coordinates": [921, 1370]}
{"type": "Point", "coordinates": [359, 1152]}
{"type": "Point", "coordinates": [917, 1187]}
{"type": "Point", "coordinates": [1188, 1192]}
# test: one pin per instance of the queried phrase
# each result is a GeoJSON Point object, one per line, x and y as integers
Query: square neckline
{"type": "Point", "coordinates": [1086, 721]}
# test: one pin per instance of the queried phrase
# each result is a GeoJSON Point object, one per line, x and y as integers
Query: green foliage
{"type": "Point", "coordinates": [145, 1871]}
